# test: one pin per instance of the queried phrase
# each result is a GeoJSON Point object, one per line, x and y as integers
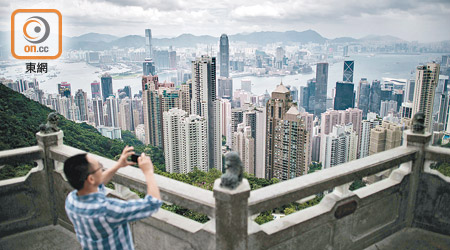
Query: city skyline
{"type": "Point", "coordinates": [172, 18]}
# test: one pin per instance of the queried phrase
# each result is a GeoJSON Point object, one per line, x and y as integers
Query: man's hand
{"type": "Point", "coordinates": [123, 160]}
{"type": "Point", "coordinates": [145, 163]}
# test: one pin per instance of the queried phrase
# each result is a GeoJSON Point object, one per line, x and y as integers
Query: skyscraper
{"type": "Point", "coordinates": [97, 106]}
{"type": "Point", "coordinates": [148, 67]}
{"type": "Point", "coordinates": [95, 89]}
{"type": "Point", "coordinates": [291, 144]}
{"type": "Point", "coordinates": [64, 89]}
{"type": "Point", "coordinates": [205, 104]}
{"type": "Point", "coordinates": [224, 56]}
{"type": "Point", "coordinates": [321, 89]}
{"type": "Point", "coordinates": [345, 96]}
{"type": "Point", "coordinates": [81, 102]}
{"type": "Point", "coordinates": [185, 140]}
{"type": "Point", "coordinates": [348, 71]}
{"type": "Point", "coordinates": [244, 145]}
{"type": "Point", "coordinates": [276, 107]}
{"type": "Point", "coordinates": [107, 88]}
{"type": "Point", "coordinates": [363, 96]}
{"type": "Point", "coordinates": [111, 111]}
{"type": "Point", "coordinates": [148, 43]}
{"type": "Point", "coordinates": [126, 119]}
{"type": "Point", "coordinates": [427, 78]}
{"type": "Point", "coordinates": [375, 97]}
{"type": "Point", "coordinates": [409, 91]}
{"type": "Point", "coordinates": [340, 146]}
{"type": "Point", "coordinates": [366, 126]}
{"type": "Point", "coordinates": [225, 88]}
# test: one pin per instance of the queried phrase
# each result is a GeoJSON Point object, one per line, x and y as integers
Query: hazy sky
{"type": "Point", "coordinates": [425, 21]}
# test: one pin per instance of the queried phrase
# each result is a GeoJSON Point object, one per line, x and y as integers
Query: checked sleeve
{"type": "Point", "coordinates": [119, 211]}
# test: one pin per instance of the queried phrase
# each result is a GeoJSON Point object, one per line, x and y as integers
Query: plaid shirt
{"type": "Point", "coordinates": [102, 223]}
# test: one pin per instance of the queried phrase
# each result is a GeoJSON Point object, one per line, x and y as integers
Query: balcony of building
{"type": "Point", "coordinates": [409, 209]}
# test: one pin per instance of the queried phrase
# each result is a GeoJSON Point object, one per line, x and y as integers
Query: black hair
{"type": "Point", "coordinates": [76, 169]}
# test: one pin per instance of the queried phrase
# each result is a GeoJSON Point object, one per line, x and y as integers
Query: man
{"type": "Point", "coordinates": [101, 222]}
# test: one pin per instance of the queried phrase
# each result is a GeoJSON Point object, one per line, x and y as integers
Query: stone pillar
{"type": "Point", "coordinates": [45, 141]}
{"type": "Point", "coordinates": [419, 141]}
{"type": "Point", "coordinates": [231, 216]}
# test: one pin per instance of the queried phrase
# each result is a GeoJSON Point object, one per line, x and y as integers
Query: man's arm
{"type": "Point", "coordinates": [146, 166]}
{"type": "Point", "coordinates": [120, 211]}
{"type": "Point", "coordinates": [122, 162]}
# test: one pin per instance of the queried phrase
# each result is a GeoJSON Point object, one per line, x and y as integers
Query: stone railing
{"type": "Point", "coordinates": [413, 195]}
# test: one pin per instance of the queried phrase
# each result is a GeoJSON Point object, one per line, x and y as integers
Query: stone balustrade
{"type": "Point", "coordinates": [413, 195]}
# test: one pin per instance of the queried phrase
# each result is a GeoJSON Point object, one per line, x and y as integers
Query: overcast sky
{"type": "Point", "coordinates": [425, 21]}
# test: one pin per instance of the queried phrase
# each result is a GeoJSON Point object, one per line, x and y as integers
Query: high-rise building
{"type": "Point", "coordinates": [95, 89]}
{"type": "Point", "coordinates": [246, 84]}
{"type": "Point", "coordinates": [126, 119]}
{"type": "Point", "coordinates": [185, 144]}
{"type": "Point", "coordinates": [409, 91]}
{"type": "Point", "coordinates": [205, 104]}
{"type": "Point", "coordinates": [111, 112]}
{"type": "Point", "coordinates": [225, 88]}
{"type": "Point", "coordinates": [173, 59]}
{"type": "Point", "coordinates": [64, 89]}
{"type": "Point", "coordinates": [148, 44]}
{"type": "Point", "coordinates": [363, 96]}
{"type": "Point", "coordinates": [375, 97]}
{"type": "Point", "coordinates": [276, 107]}
{"type": "Point", "coordinates": [226, 120]}
{"type": "Point", "coordinates": [107, 88]}
{"type": "Point", "coordinates": [366, 126]}
{"type": "Point", "coordinates": [340, 146]}
{"type": "Point", "coordinates": [294, 93]}
{"type": "Point", "coordinates": [388, 107]}
{"type": "Point", "coordinates": [81, 102]}
{"type": "Point", "coordinates": [384, 137]}
{"type": "Point", "coordinates": [406, 110]}
{"type": "Point", "coordinates": [148, 67]}
{"type": "Point", "coordinates": [224, 56]}
{"type": "Point", "coordinates": [332, 118]}
{"type": "Point", "coordinates": [348, 71]}
{"type": "Point", "coordinates": [291, 146]}
{"type": "Point", "coordinates": [244, 145]}
{"type": "Point", "coordinates": [97, 106]}
{"type": "Point", "coordinates": [427, 77]}
{"type": "Point", "coordinates": [320, 94]}
{"type": "Point", "coordinates": [344, 97]}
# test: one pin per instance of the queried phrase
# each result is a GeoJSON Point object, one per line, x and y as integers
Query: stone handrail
{"type": "Point", "coordinates": [409, 197]}
{"type": "Point", "coordinates": [20, 155]}
{"type": "Point", "coordinates": [292, 190]}
{"type": "Point", "coordinates": [437, 154]}
{"type": "Point", "coordinates": [172, 191]}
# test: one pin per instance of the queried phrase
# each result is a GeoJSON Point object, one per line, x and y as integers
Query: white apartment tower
{"type": "Point", "coordinates": [184, 142]}
{"type": "Point", "coordinates": [427, 77]}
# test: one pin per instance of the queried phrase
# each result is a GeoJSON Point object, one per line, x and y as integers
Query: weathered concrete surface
{"type": "Point", "coordinates": [413, 239]}
{"type": "Point", "coordinates": [44, 238]}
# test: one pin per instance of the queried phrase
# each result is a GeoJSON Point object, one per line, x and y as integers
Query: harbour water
{"type": "Point", "coordinates": [80, 75]}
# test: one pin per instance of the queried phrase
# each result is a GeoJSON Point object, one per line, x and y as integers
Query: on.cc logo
{"type": "Point", "coordinates": [39, 24]}
{"type": "Point", "coordinates": [36, 34]}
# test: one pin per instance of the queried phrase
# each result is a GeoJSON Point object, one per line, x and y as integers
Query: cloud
{"type": "Point", "coordinates": [331, 18]}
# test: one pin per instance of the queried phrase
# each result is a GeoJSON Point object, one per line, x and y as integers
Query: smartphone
{"type": "Point", "coordinates": [134, 157]}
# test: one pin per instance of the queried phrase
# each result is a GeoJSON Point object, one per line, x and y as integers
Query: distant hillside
{"type": "Point", "coordinates": [20, 119]}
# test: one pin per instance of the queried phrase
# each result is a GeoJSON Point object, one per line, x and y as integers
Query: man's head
{"type": "Point", "coordinates": [82, 170]}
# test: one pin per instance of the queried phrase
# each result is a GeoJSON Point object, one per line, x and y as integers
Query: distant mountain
{"type": "Point", "coordinates": [343, 40]}
{"type": "Point", "coordinates": [95, 37]}
{"type": "Point", "coordinates": [97, 41]}
{"type": "Point", "coordinates": [184, 40]}
{"type": "Point", "coordinates": [266, 37]}
{"type": "Point", "coordinates": [376, 38]}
